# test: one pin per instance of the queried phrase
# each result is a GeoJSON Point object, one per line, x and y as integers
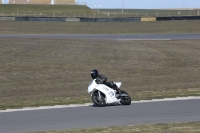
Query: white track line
{"type": "Point", "coordinates": [168, 99]}
{"type": "Point", "coordinates": [144, 39]}
{"type": "Point", "coordinates": [90, 104]}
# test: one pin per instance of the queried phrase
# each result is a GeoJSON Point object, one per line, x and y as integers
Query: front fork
{"type": "Point", "coordinates": [99, 95]}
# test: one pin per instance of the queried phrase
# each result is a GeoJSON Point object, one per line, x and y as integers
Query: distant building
{"type": "Point", "coordinates": [64, 1]}
{"type": "Point", "coordinates": [17, 1]}
{"type": "Point", "coordinates": [39, 2]}
{"type": "Point", "coordinates": [69, 2]}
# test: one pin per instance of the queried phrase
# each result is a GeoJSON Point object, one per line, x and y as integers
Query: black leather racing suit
{"type": "Point", "coordinates": [101, 79]}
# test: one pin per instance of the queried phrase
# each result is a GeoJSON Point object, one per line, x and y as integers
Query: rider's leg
{"type": "Point", "coordinates": [117, 89]}
{"type": "Point", "coordinates": [107, 84]}
{"type": "Point", "coordinates": [114, 86]}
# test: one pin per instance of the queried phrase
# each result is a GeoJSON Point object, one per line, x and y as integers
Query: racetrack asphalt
{"type": "Point", "coordinates": [89, 116]}
{"type": "Point", "coordinates": [109, 36]}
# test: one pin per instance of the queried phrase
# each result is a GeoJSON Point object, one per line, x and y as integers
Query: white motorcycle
{"type": "Point", "coordinates": [103, 95]}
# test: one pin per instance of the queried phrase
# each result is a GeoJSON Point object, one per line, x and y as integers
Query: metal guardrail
{"type": "Point", "coordinates": [81, 19]}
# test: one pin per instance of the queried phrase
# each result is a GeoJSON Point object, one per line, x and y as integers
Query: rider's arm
{"type": "Point", "coordinates": [101, 79]}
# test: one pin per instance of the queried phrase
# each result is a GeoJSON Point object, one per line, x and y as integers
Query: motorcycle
{"type": "Point", "coordinates": [103, 95]}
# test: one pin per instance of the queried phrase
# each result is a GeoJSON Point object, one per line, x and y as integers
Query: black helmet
{"type": "Point", "coordinates": [94, 74]}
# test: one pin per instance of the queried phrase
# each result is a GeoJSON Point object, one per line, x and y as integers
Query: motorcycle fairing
{"type": "Point", "coordinates": [109, 93]}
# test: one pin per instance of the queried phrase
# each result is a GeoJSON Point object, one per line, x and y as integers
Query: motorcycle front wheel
{"type": "Point", "coordinates": [99, 101]}
{"type": "Point", "coordinates": [125, 100]}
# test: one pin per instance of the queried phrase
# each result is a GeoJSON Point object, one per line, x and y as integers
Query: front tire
{"type": "Point", "coordinates": [99, 101]}
{"type": "Point", "coordinates": [125, 100]}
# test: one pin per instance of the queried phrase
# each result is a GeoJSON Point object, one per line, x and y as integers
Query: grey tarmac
{"type": "Point", "coordinates": [89, 116]}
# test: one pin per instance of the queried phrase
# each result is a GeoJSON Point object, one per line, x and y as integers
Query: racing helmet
{"type": "Point", "coordinates": [94, 74]}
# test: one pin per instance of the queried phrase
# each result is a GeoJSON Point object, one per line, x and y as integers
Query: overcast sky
{"type": "Point", "coordinates": [142, 4]}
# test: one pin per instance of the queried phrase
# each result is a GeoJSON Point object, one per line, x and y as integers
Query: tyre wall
{"type": "Point", "coordinates": [178, 18]}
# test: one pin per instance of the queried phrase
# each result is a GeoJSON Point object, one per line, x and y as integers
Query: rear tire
{"type": "Point", "coordinates": [125, 100]}
{"type": "Point", "coordinates": [99, 102]}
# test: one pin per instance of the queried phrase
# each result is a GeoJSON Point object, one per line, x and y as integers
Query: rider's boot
{"type": "Point", "coordinates": [118, 92]}
{"type": "Point", "coordinates": [117, 89]}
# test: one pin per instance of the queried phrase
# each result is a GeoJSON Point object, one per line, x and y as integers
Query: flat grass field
{"type": "Point", "coordinates": [191, 127]}
{"type": "Point", "coordinates": [159, 27]}
{"type": "Point", "coordinates": [36, 72]}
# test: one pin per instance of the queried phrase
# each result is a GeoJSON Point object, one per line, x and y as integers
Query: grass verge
{"type": "Point", "coordinates": [159, 27]}
{"type": "Point", "coordinates": [30, 10]}
{"type": "Point", "coordinates": [190, 127]}
{"type": "Point", "coordinates": [36, 72]}
{"type": "Point", "coordinates": [84, 11]}
{"type": "Point", "coordinates": [152, 12]}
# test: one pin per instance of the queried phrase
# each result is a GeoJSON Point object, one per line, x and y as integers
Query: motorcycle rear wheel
{"type": "Point", "coordinates": [125, 100]}
{"type": "Point", "coordinates": [100, 102]}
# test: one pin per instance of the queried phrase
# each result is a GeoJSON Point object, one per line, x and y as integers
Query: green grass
{"type": "Point", "coordinates": [44, 10]}
{"type": "Point", "coordinates": [190, 127]}
{"type": "Point", "coordinates": [37, 72]}
{"type": "Point", "coordinates": [84, 11]}
{"type": "Point", "coordinates": [160, 27]}
{"type": "Point", "coordinates": [151, 12]}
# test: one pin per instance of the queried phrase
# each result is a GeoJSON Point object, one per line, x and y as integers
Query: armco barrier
{"type": "Point", "coordinates": [72, 19]}
{"type": "Point", "coordinates": [7, 18]}
{"type": "Point", "coordinates": [46, 19]}
{"type": "Point", "coordinates": [64, 19]}
{"type": "Point", "coordinates": [178, 18]}
{"type": "Point", "coordinates": [59, 19]}
{"type": "Point", "coordinates": [118, 19]}
{"type": "Point", "coordinates": [88, 19]}
{"type": "Point", "coordinates": [109, 19]}
{"type": "Point", "coordinates": [148, 19]}
{"type": "Point", "coordinates": [22, 18]}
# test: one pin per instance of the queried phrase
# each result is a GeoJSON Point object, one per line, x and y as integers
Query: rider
{"type": "Point", "coordinates": [101, 79]}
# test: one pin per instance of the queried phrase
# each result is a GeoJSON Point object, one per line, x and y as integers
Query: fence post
{"type": "Point", "coordinates": [198, 13]}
